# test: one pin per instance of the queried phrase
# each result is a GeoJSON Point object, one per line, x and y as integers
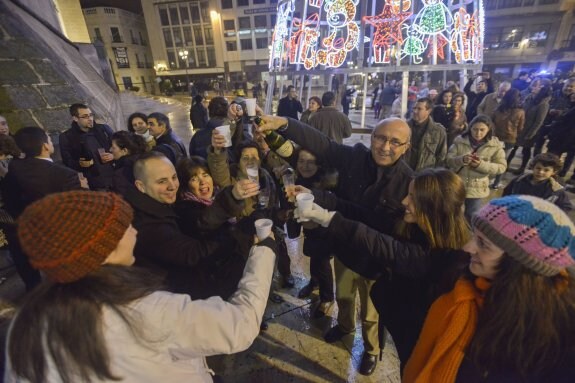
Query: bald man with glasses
{"type": "Point", "coordinates": [85, 147]}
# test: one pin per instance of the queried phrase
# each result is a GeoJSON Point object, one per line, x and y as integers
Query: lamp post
{"type": "Point", "coordinates": [184, 56]}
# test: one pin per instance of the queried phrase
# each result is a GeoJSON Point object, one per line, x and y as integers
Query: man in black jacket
{"type": "Point", "coordinates": [29, 180]}
{"type": "Point", "coordinates": [372, 183]}
{"type": "Point", "coordinates": [85, 147]}
{"type": "Point", "coordinates": [482, 88]}
{"type": "Point", "coordinates": [167, 142]}
{"type": "Point", "coordinates": [161, 246]}
{"type": "Point", "coordinates": [289, 106]}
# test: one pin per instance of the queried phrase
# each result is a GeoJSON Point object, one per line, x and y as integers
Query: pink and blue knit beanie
{"type": "Point", "coordinates": [536, 233]}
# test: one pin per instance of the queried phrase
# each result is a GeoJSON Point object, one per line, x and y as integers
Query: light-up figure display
{"type": "Point", "coordinates": [319, 34]}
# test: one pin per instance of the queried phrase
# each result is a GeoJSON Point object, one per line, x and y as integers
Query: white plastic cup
{"type": "Point", "coordinates": [263, 228]}
{"type": "Point", "coordinates": [304, 203]}
{"type": "Point", "coordinates": [101, 152]}
{"type": "Point", "coordinates": [225, 131]}
{"type": "Point", "coordinates": [251, 107]}
{"type": "Point", "coordinates": [252, 172]}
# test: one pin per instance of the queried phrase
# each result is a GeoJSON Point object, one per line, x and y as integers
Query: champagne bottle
{"type": "Point", "coordinates": [284, 148]}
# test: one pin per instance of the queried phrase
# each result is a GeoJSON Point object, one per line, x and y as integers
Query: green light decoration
{"type": "Point", "coordinates": [433, 19]}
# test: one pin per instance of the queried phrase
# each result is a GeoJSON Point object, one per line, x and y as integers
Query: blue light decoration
{"type": "Point", "coordinates": [326, 33]}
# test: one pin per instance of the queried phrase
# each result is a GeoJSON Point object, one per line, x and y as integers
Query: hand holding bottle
{"type": "Point", "coordinates": [271, 123]}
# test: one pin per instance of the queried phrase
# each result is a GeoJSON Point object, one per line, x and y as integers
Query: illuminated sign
{"type": "Point", "coordinates": [326, 33]}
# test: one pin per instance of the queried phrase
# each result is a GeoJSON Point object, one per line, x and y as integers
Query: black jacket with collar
{"type": "Point", "coordinates": [171, 146]}
{"type": "Point", "coordinates": [162, 246]}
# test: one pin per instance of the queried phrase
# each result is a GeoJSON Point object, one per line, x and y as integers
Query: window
{"type": "Point", "coordinates": [174, 15]}
{"type": "Point", "coordinates": [273, 20]}
{"type": "Point", "coordinates": [142, 41]}
{"type": "Point", "coordinates": [209, 35]}
{"type": "Point", "coordinates": [243, 3]}
{"type": "Point", "coordinates": [260, 21]}
{"type": "Point", "coordinates": [202, 57]}
{"type": "Point", "coordinates": [211, 52]}
{"type": "Point", "coordinates": [538, 35]}
{"type": "Point", "coordinates": [246, 44]}
{"type": "Point", "coordinates": [172, 59]}
{"type": "Point", "coordinates": [204, 6]}
{"type": "Point", "coordinates": [185, 14]}
{"type": "Point", "coordinates": [164, 16]}
{"type": "Point", "coordinates": [198, 35]}
{"type": "Point", "coordinates": [231, 46]}
{"type": "Point", "coordinates": [262, 43]}
{"type": "Point", "coordinates": [259, 1]}
{"type": "Point", "coordinates": [168, 38]}
{"type": "Point", "coordinates": [511, 37]}
{"type": "Point", "coordinates": [178, 37]}
{"type": "Point", "coordinates": [227, 4]}
{"type": "Point", "coordinates": [134, 41]}
{"type": "Point", "coordinates": [229, 25]}
{"type": "Point", "coordinates": [188, 35]}
{"type": "Point", "coordinates": [98, 34]}
{"type": "Point", "coordinates": [244, 23]}
{"type": "Point", "coordinates": [195, 14]}
{"type": "Point", "coordinates": [116, 37]}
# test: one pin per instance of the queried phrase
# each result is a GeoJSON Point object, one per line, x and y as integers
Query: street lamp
{"type": "Point", "coordinates": [184, 56]}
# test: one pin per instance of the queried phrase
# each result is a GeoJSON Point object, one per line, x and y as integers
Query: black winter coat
{"type": "Point", "coordinates": [413, 276]}
{"type": "Point", "coordinates": [162, 247]}
{"type": "Point", "coordinates": [361, 195]}
{"type": "Point", "coordinates": [198, 116]}
{"type": "Point", "coordinates": [171, 146]}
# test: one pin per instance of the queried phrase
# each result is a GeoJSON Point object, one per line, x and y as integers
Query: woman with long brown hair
{"type": "Point", "coordinates": [96, 318]}
{"type": "Point", "coordinates": [509, 317]}
{"type": "Point", "coordinates": [412, 265]}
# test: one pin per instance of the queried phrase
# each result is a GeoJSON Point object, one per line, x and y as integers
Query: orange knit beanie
{"type": "Point", "coordinates": [68, 235]}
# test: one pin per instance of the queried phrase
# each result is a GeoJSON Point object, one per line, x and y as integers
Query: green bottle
{"type": "Point", "coordinates": [284, 148]}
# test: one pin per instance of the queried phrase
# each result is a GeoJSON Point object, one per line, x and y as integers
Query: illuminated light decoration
{"type": "Point", "coordinates": [465, 42]}
{"type": "Point", "coordinates": [441, 44]}
{"type": "Point", "coordinates": [327, 33]}
{"type": "Point", "coordinates": [315, 3]}
{"type": "Point", "coordinates": [388, 29]}
{"type": "Point", "coordinates": [304, 40]}
{"type": "Point", "coordinates": [343, 36]}
{"type": "Point", "coordinates": [281, 32]}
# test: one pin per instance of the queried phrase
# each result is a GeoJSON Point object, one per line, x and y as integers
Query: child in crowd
{"type": "Point", "coordinates": [541, 182]}
{"type": "Point", "coordinates": [474, 156]}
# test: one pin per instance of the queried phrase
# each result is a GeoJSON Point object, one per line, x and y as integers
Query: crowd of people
{"type": "Point", "coordinates": [470, 290]}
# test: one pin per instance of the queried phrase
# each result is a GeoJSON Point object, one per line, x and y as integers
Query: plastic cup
{"type": "Point", "coordinates": [252, 172]}
{"type": "Point", "coordinates": [263, 228]}
{"type": "Point", "coordinates": [101, 152]}
{"type": "Point", "coordinates": [225, 131]}
{"type": "Point", "coordinates": [251, 107]}
{"type": "Point", "coordinates": [304, 203]}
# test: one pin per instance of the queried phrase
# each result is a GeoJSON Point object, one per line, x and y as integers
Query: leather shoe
{"type": "Point", "coordinates": [334, 334]}
{"type": "Point", "coordinates": [287, 282]}
{"type": "Point", "coordinates": [368, 363]}
{"type": "Point", "coordinates": [306, 290]}
{"type": "Point", "coordinates": [323, 309]}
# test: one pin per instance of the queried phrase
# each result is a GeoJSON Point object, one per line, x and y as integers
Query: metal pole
{"type": "Point", "coordinates": [365, 80]}
{"type": "Point", "coordinates": [404, 92]}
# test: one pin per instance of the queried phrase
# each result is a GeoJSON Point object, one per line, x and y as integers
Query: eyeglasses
{"type": "Point", "coordinates": [393, 142]}
{"type": "Point", "coordinates": [87, 115]}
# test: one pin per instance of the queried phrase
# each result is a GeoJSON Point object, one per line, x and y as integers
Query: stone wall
{"type": "Point", "coordinates": [42, 73]}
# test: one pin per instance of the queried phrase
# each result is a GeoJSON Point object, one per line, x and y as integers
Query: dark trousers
{"type": "Point", "coordinates": [322, 275]}
{"type": "Point", "coordinates": [283, 259]}
{"type": "Point", "coordinates": [525, 156]}
{"type": "Point", "coordinates": [541, 138]}
{"type": "Point", "coordinates": [30, 276]}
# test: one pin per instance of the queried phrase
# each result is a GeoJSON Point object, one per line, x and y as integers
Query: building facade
{"type": "Point", "coordinates": [524, 35]}
{"type": "Point", "coordinates": [124, 37]}
{"type": "Point", "coordinates": [225, 40]}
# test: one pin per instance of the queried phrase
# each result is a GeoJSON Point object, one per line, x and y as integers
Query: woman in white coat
{"type": "Point", "coordinates": [475, 156]}
{"type": "Point", "coordinates": [97, 319]}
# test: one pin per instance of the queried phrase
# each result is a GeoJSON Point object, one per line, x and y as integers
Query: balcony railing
{"type": "Point", "coordinates": [117, 39]}
{"type": "Point", "coordinates": [141, 64]}
{"type": "Point", "coordinates": [134, 41]}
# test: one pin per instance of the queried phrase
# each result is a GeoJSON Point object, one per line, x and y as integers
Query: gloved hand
{"type": "Point", "coordinates": [316, 213]}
